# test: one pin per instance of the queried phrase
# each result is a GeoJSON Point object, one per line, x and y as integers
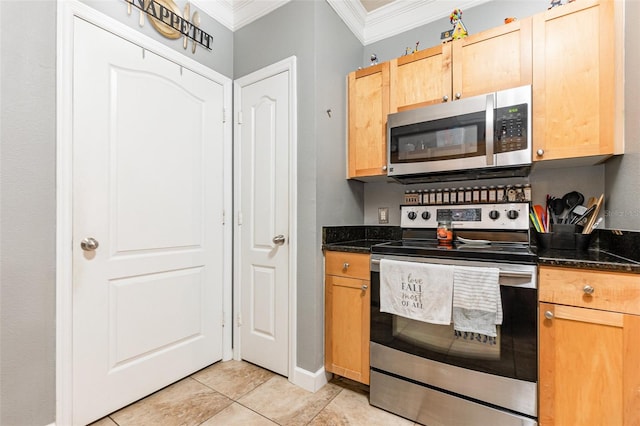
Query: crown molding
{"type": "Point", "coordinates": [235, 14]}
{"type": "Point", "coordinates": [394, 18]}
{"type": "Point", "coordinates": [368, 27]}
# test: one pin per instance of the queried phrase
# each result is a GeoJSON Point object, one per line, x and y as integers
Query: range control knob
{"type": "Point", "coordinates": [512, 214]}
{"type": "Point", "coordinates": [494, 214]}
{"type": "Point", "coordinates": [412, 215]}
{"type": "Point", "coordinates": [426, 215]}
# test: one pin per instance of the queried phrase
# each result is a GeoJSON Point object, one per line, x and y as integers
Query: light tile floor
{"type": "Point", "coordinates": [239, 393]}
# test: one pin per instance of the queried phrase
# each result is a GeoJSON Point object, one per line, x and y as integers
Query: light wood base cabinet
{"type": "Point", "coordinates": [347, 311]}
{"type": "Point", "coordinates": [589, 371]}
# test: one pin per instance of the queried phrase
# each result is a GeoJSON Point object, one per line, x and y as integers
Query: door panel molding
{"type": "Point", "coordinates": [67, 12]}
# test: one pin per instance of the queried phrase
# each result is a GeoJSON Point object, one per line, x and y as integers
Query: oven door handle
{"type": "Point", "coordinates": [505, 274]}
{"type": "Point", "coordinates": [511, 274]}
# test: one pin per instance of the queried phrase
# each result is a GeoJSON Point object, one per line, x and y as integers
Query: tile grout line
{"type": "Point", "coordinates": [325, 407]}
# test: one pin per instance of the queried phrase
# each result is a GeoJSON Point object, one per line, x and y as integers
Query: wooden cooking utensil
{"type": "Point", "coordinates": [594, 216]}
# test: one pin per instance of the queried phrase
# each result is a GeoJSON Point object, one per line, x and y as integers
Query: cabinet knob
{"type": "Point", "coordinates": [364, 287]}
{"type": "Point", "coordinates": [548, 315]}
{"type": "Point", "coordinates": [458, 95]}
{"type": "Point", "coordinates": [345, 265]}
{"type": "Point", "coordinates": [384, 168]}
{"type": "Point", "coordinates": [445, 98]}
{"type": "Point", "coordinates": [540, 152]}
{"type": "Point", "coordinates": [588, 290]}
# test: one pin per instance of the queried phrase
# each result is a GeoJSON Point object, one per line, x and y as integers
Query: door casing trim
{"type": "Point", "coordinates": [285, 65]}
{"type": "Point", "coordinates": [67, 11]}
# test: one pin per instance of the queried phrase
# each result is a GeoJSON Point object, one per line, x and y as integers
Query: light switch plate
{"type": "Point", "coordinates": [383, 214]}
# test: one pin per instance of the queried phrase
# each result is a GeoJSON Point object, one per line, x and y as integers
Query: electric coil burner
{"type": "Point", "coordinates": [427, 372]}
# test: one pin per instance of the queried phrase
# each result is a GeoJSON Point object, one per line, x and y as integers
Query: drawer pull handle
{"type": "Point", "coordinates": [588, 289]}
{"type": "Point", "coordinates": [364, 287]}
{"type": "Point", "coordinates": [548, 315]}
{"type": "Point", "coordinates": [345, 265]}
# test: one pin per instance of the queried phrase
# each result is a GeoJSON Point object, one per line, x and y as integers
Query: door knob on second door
{"type": "Point", "coordinates": [89, 244]}
{"type": "Point", "coordinates": [278, 240]}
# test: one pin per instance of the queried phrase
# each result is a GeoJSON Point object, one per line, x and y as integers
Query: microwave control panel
{"type": "Point", "coordinates": [511, 128]}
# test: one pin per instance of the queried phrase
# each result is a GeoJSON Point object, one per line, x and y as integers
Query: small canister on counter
{"type": "Point", "coordinates": [444, 232]}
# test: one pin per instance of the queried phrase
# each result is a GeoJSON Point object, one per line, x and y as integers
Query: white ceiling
{"type": "Point", "coordinates": [369, 20]}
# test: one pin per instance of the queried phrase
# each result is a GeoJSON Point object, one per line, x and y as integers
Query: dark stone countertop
{"type": "Point", "coordinates": [610, 250]}
{"type": "Point", "coordinates": [358, 238]}
{"type": "Point", "coordinates": [595, 259]}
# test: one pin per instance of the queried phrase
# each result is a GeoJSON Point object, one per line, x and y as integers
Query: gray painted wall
{"type": "Point", "coordinates": [28, 212]}
{"type": "Point", "coordinates": [339, 201]}
{"type": "Point", "coordinates": [622, 199]}
{"type": "Point", "coordinates": [28, 195]}
{"type": "Point", "coordinates": [220, 58]}
{"type": "Point", "coordinates": [326, 51]}
{"type": "Point", "coordinates": [479, 18]}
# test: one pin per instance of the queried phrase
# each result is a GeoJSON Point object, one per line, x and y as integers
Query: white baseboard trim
{"type": "Point", "coordinates": [308, 380]}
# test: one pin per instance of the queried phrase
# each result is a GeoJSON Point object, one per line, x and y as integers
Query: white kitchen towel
{"type": "Point", "coordinates": [419, 291]}
{"type": "Point", "coordinates": [477, 306]}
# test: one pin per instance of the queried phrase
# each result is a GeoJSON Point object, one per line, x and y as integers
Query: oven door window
{"type": "Point", "coordinates": [513, 355]}
{"type": "Point", "coordinates": [444, 139]}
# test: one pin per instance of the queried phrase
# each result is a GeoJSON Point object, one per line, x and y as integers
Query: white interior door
{"type": "Point", "coordinates": [148, 187]}
{"type": "Point", "coordinates": [263, 231]}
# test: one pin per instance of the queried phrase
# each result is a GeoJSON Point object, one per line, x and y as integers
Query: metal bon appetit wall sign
{"type": "Point", "coordinates": [167, 18]}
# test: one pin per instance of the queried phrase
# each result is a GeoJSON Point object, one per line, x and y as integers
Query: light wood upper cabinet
{"type": "Point", "coordinates": [347, 315]}
{"type": "Point", "coordinates": [420, 79]}
{"type": "Point", "coordinates": [368, 110]}
{"type": "Point", "coordinates": [589, 358]}
{"type": "Point", "coordinates": [577, 81]}
{"type": "Point", "coordinates": [496, 59]}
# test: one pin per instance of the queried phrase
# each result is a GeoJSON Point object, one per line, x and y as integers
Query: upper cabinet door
{"type": "Point", "coordinates": [496, 59]}
{"type": "Point", "coordinates": [422, 78]}
{"type": "Point", "coordinates": [576, 85]}
{"type": "Point", "coordinates": [368, 110]}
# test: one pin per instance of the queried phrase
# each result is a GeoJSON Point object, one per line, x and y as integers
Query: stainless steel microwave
{"type": "Point", "coordinates": [471, 138]}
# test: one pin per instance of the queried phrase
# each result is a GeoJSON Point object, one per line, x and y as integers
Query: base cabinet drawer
{"type": "Point", "coordinates": [610, 291]}
{"type": "Point", "coordinates": [352, 265]}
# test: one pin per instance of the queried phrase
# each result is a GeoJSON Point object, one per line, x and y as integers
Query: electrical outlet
{"type": "Point", "coordinates": [383, 214]}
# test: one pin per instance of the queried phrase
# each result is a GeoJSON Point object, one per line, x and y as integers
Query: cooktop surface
{"type": "Point", "coordinates": [502, 251]}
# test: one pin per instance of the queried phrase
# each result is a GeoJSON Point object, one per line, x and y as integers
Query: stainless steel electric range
{"type": "Point", "coordinates": [426, 372]}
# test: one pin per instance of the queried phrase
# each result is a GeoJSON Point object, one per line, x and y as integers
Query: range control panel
{"type": "Point", "coordinates": [507, 216]}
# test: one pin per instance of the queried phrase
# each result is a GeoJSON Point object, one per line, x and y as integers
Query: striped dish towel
{"type": "Point", "coordinates": [477, 306]}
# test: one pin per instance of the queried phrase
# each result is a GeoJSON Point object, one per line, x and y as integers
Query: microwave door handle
{"type": "Point", "coordinates": [490, 128]}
